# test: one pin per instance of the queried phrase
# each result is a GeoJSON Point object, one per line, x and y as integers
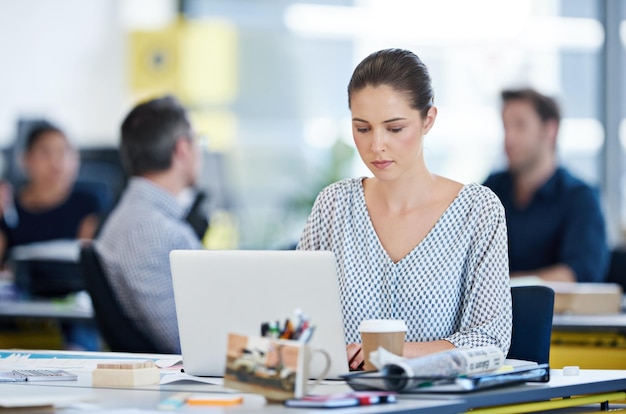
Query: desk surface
{"type": "Point", "coordinates": [560, 386]}
{"type": "Point", "coordinates": [589, 322]}
{"type": "Point", "coordinates": [55, 309]}
{"type": "Point", "coordinates": [587, 382]}
{"type": "Point", "coordinates": [147, 399]}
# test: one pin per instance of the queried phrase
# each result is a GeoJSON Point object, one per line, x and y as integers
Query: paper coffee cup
{"type": "Point", "coordinates": [386, 333]}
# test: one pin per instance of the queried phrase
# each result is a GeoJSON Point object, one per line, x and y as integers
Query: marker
{"type": "Point", "coordinates": [215, 399]}
{"type": "Point", "coordinates": [175, 401]}
{"type": "Point", "coordinates": [265, 328]}
{"type": "Point", "coordinates": [296, 320]}
{"type": "Point", "coordinates": [274, 331]}
{"type": "Point", "coordinates": [288, 330]}
{"type": "Point", "coordinates": [307, 334]}
{"type": "Point", "coordinates": [304, 324]}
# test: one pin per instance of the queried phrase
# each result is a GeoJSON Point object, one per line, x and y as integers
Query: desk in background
{"type": "Point", "coordinates": [33, 324]}
{"type": "Point", "coordinates": [66, 309]}
{"type": "Point", "coordinates": [588, 329]}
{"type": "Point", "coordinates": [589, 341]}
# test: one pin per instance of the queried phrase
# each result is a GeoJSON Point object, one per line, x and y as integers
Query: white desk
{"type": "Point", "coordinates": [148, 399]}
{"type": "Point", "coordinates": [598, 382]}
{"type": "Point", "coordinates": [560, 386]}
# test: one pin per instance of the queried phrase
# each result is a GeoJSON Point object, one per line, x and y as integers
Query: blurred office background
{"type": "Point", "coordinates": [266, 82]}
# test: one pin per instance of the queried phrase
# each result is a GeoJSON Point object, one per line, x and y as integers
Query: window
{"type": "Point", "coordinates": [295, 60]}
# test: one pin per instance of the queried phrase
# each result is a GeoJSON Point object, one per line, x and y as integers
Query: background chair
{"type": "Point", "coordinates": [118, 330]}
{"type": "Point", "coordinates": [617, 267]}
{"type": "Point", "coordinates": [46, 269]}
{"type": "Point", "coordinates": [533, 307]}
{"type": "Point", "coordinates": [101, 171]}
{"type": "Point", "coordinates": [40, 278]}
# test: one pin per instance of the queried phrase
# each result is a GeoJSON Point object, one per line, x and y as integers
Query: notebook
{"type": "Point", "coordinates": [233, 291]}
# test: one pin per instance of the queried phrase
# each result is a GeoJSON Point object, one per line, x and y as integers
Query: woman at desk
{"type": "Point", "coordinates": [410, 244]}
{"type": "Point", "coordinates": [48, 207]}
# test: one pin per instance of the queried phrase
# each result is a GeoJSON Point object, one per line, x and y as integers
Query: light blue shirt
{"type": "Point", "coordinates": [134, 247]}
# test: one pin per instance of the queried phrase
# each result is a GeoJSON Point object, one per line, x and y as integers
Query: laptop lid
{"type": "Point", "coordinates": [233, 291]}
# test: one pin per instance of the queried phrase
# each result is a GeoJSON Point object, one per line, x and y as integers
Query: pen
{"type": "Point", "coordinates": [306, 334]}
{"type": "Point", "coordinates": [174, 401]}
{"type": "Point", "coordinates": [265, 327]}
{"type": "Point", "coordinates": [273, 331]}
{"type": "Point", "coordinates": [288, 330]}
{"type": "Point", "coordinates": [304, 324]}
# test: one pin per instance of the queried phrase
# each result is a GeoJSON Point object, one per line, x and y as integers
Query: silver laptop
{"type": "Point", "coordinates": [233, 291]}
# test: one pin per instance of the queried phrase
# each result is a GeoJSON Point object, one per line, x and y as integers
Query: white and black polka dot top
{"type": "Point", "coordinates": [453, 285]}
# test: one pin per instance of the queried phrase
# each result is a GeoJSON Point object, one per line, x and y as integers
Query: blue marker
{"type": "Point", "coordinates": [174, 402]}
{"type": "Point", "coordinates": [307, 334]}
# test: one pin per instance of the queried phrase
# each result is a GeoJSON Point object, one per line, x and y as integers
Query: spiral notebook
{"type": "Point", "coordinates": [373, 380]}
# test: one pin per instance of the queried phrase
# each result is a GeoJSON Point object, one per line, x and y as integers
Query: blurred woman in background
{"type": "Point", "coordinates": [49, 207]}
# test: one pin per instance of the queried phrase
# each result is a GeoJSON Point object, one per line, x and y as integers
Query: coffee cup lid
{"type": "Point", "coordinates": [382, 325]}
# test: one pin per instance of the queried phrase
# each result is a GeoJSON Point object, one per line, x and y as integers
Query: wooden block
{"type": "Point", "coordinates": [125, 374]}
{"type": "Point", "coordinates": [586, 298]}
{"type": "Point", "coordinates": [127, 364]}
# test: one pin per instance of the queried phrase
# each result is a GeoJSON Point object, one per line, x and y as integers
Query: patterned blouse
{"type": "Point", "coordinates": [453, 285]}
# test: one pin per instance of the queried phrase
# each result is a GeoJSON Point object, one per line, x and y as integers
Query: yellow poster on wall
{"type": "Point", "coordinates": [193, 59]}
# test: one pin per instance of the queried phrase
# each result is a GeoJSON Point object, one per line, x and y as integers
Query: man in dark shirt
{"type": "Point", "coordinates": [555, 223]}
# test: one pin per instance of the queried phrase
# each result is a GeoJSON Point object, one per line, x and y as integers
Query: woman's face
{"type": "Point", "coordinates": [388, 133]}
{"type": "Point", "coordinates": [51, 160]}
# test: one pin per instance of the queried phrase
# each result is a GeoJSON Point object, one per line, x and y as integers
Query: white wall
{"type": "Point", "coordinates": [63, 60]}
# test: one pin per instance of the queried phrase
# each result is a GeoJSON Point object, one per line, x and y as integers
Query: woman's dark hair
{"type": "Point", "coordinates": [399, 69]}
{"type": "Point", "coordinates": [38, 132]}
{"type": "Point", "coordinates": [149, 135]}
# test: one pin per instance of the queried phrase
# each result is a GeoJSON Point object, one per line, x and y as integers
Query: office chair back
{"type": "Point", "coordinates": [117, 329]}
{"type": "Point", "coordinates": [533, 307]}
{"type": "Point", "coordinates": [617, 267]}
{"type": "Point", "coordinates": [47, 278]}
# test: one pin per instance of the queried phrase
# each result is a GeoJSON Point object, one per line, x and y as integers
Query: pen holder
{"type": "Point", "coordinates": [275, 368]}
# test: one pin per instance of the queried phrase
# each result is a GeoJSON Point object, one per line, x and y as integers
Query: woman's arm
{"type": "Point", "coordinates": [418, 349]}
{"type": "Point", "coordinates": [485, 314]}
{"type": "Point", "coordinates": [411, 350]}
{"type": "Point", "coordinates": [88, 226]}
{"type": "Point", "coordinates": [3, 249]}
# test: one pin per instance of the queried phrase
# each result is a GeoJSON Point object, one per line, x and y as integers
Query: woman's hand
{"type": "Point", "coordinates": [355, 357]}
{"type": "Point", "coordinates": [411, 350]}
{"type": "Point", "coordinates": [6, 197]}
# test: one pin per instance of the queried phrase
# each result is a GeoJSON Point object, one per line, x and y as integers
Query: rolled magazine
{"type": "Point", "coordinates": [402, 374]}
